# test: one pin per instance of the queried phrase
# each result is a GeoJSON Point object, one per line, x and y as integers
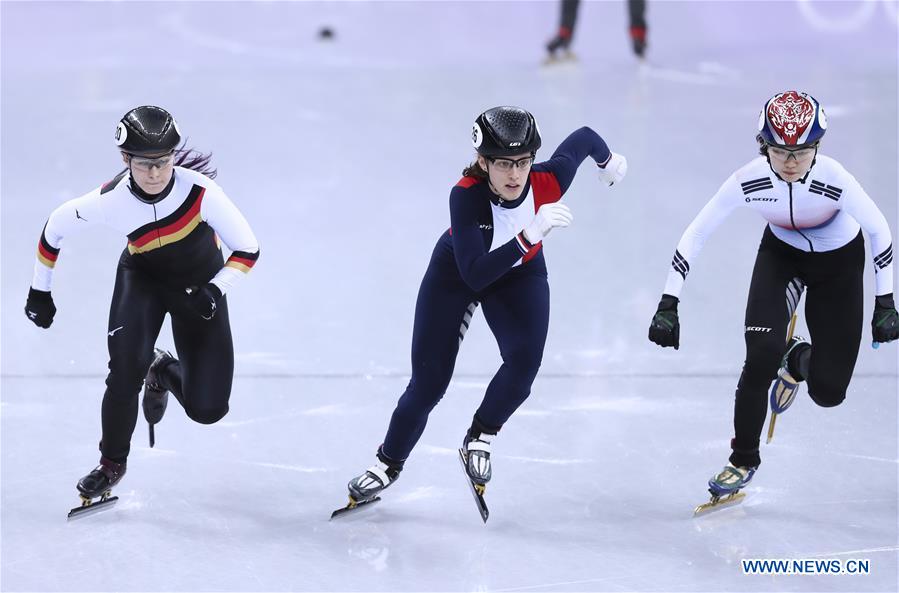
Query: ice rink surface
{"type": "Point", "coordinates": [341, 155]}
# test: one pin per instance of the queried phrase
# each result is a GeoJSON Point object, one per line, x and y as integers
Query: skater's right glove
{"type": "Point", "coordinates": [548, 217]}
{"type": "Point", "coordinates": [665, 327]}
{"type": "Point", "coordinates": [885, 324]}
{"type": "Point", "coordinates": [40, 308]}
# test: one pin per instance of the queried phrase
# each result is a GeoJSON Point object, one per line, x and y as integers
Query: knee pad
{"type": "Point", "coordinates": [207, 416]}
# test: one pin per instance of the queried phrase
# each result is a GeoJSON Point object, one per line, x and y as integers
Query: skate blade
{"type": "Point", "coordinates": [771, 423]}
{"type": "Point", "coordinates": [723, 502]}
{"type": "Point", "coordinates": [565, 58]}
{"type": "Point", "coordinates": [354, 506]}
{"type": "Point", "coordinates": [477, 490]}
{"type": "Point", "coordinates": [91, 508]}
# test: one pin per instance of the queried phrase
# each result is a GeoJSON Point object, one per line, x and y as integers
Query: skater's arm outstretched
{"type": "Point", "coordinates": [579, 145]}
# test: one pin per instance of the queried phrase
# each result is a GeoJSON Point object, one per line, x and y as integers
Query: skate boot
{"type": "Point", "coordinates": [364, 489]}
{"type": "Point", "coordinates": [101, 479]}
{"type": "Point", "coordinates": [725, 488]}
{"type": "Point", "coordinates": [730, 480]}
{"type": "Point", "coordinates": [156, 397]}
{"type": "Point", "coordinates": [477, 458]}
{"type": "Point", "coordinates": [786, 385]}
{"type": "Point", "coordinates": [368, 485]}
{"type": "Point", "coordinates": [558, 48]}
{"type": "Point", "coordinates": [638, 41]}
{"type": "Point", "coordinates": [98, 484]}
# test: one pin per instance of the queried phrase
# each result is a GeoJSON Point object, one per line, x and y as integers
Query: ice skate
{"type": "Point", "coordinates": [365, 488]}
{"type": "Point", "coordinates": [475, 458]}
{"type": "Point", "coordinates": [558, 51]}
{"type": "Point", "coordinates": [98, 484]}
{"type": "Point", "coordinates": [638, 41]}
{"type": "Point", "coordinates": [156, 397]}
{"type": "Point", "coordinates": [725, 488]}
{"type": "Point", "coordinates": [786, 386]}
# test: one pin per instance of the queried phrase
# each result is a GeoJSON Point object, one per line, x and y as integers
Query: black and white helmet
{"type": "Point", "coordinates": [505, 131]}
{"type": "Point", "coordinates": [147, 131]}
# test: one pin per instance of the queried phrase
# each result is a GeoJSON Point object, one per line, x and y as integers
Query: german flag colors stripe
{"type": "Point", "coordinates": [46, 254]}
{"type": "Point", "coordinates": [242, 260]}
{"type": "Point", "coordinates": [170, 229]}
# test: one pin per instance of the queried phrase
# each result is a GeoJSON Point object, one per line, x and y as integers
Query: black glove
{"type": "Point", "coordinates": [885, 324]}
{"type": "Point", "coordinates": [665, 327]}
{"type": "Point", "coordinates": [202, 300]}
{"type": "Point", "coordinates": [40, 308]}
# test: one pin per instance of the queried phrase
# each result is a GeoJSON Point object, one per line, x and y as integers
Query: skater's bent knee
{"type": "Point", "coordinates": [826, 398]}
{"type": "Point", "coordinates": [207, 415]}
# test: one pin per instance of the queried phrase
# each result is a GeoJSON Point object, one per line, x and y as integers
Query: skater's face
{"type": "Point", "coordinates": [791, 164]}
{"type": "Point", "coordinates": [507, 175]}
{"type": "Point", "coordinates": [151, 173]}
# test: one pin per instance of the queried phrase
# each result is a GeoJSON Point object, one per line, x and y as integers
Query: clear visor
{"type": "Point", "coordinates": [798, 154]}
{"type": "Point", "coordinates": [145, 163]}
{"type": "Point", "coordinates": [507, 164]}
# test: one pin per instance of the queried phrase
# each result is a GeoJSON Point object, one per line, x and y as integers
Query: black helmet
{"type": "Point", "coordinates": [505, 131]}
{"type": "Point", "coordinates": [147, 130]}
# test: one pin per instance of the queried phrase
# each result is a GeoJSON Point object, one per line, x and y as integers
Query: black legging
{"type": "Point", "coordinates": [636, 10]}
{"type": "Point", "coordinates": [833, 314]}
{"type": "Point", "coordinates": [200, 380]}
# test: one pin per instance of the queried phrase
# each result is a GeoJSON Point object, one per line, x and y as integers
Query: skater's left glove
{"type": "Point", "coordinates": [885, 324]}
{"type": "Point", "coordinates": [664, 329]}
{"type": "Point", "coordinates": [614, 170]}
{"type": "Point", "coordinates": [203, 300]}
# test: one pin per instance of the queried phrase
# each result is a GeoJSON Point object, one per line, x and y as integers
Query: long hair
{"type": "Point", "coordinates": [474, 170]}
{"type": "Point", "coordinates": [194, 160]}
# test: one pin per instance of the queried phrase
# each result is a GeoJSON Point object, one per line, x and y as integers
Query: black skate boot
{"type": "Point", "coordinates": [364, 488]}
{"type": "Point", "coordinates": [156, 397]}
{"type": "Point", "coordinates": [638, 41]}
{"type": "Point", "coordinates": [558, 48]}
{"type": "Point", "coordinates": [98, 484]}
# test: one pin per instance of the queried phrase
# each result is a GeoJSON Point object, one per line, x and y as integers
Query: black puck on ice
{"type": "Point", "coordinates": [326, 33]}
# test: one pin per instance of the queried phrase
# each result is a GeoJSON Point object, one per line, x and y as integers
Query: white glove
{"type": "Point", "coordinates": [548, 217]}
{"type": "Point", "coordinates": [614, 171]}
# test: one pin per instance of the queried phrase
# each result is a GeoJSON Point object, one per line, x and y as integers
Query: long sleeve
{"type": "Point", "coordinates": [69, 218]}
{"type": "Point", "coordinates": [478, 266]}
{"type": "Point", "coordinates": [580, 144]}
{"type": "Point", "coordinates": [858, 204]}
{"type": "Point", "coordinates": [233, 229]}
{"type": "Point", "coordinates": [725, 201]}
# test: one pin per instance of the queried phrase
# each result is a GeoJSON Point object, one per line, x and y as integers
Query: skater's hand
{"type": "Point", "coordinates": [885, 324]}
{"type": "Point", "coordinates": [614, 170]}
{"type": "Point", "coordinates": [548, 217]}
{"type": "Point", "coordinates": [665, 327]}
{"type": "Point", "coordinates": [203, 300]}
{"type": "Point", "coordinates": [40, 308]}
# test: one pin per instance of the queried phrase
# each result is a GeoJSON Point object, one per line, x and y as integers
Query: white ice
{"type": "Point", "coordinates": [341, 154]}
